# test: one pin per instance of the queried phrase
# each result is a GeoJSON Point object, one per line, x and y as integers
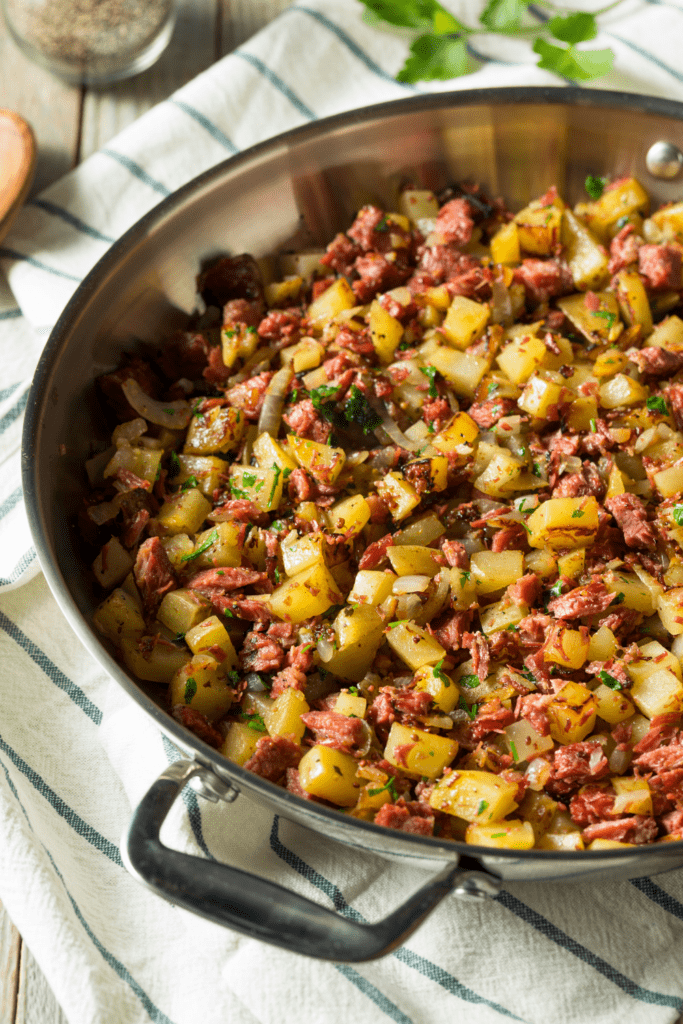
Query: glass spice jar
{"type": "Point", "coordinates": [91, 42]}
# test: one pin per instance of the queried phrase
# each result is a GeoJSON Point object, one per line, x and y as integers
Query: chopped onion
{"type": "Point", "coordinates": [392, 428]}
{"type": "Point", "coordinates": [501, 306]}
{"type": "Point", "coordinates": [325, 648]}
{"type": "Point", "coordinates": [260, 358]}
{"type": "Point", "coordinates": [423, 532]}
{"type": "Point", "coordinates": [103, 512]}
{"type": "Point", "coordinates": [537, 773]}
{"type": "Point", "coordinates": [407, 606]}
{"type": "Point", "coordinates": [130, 431]}
{"type": "Point", "coordinates": [400, 682]}
{"type": "Point", "coordinates": [411, 584]}
{"type": "Point", "coordinates": [254, 683]}
{"type": "Point", "coordinates": [619, 760]}
{"type": "Point", "coordinates": [438, 600]}
{"type": "Point", "coordinates": [174, 415]}
{"type": "Point", "coordinates": [273, 402]}
{"type": "Point", "coordinates": [96, 466]}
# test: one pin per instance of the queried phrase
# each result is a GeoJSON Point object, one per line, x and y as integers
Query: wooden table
{"type": "Point", "coordinates": [70, 123]}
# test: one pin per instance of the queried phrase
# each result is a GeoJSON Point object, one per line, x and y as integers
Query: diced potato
{"type": "Point", "coordinates": [607, 844]}
{"type": "Point", "coordinates": [413, 560]}
{"type": "Point", "coordinates": [338, 297]}
{"type": "Point", "coordinates": [119, 616]}
{"type": "Point", "coordinates": [461, 430]}
{"type": "Point", "coordinates": [538, 227]}
{"type": "Point", "coordinates": [445, 694]}
{"type": "Point", "coordinates": [564, 523]}
{"type": "Point", "coordinates": [633, 300]}
{"type": "Point", "coordinates": [201, 685]}
{"type": "Point", "coordinates": [543, 562]}
{"type": "Point", "coordinates": [480, 797]}
{"type": "Point", "coordinates": [600, 326]}
{"type": "Point", "coordinates": [143, 462]}
{"type": "Point", "coordinates": [323, 462]}
{"type": "Point", "coordinates": [183, 513]}
{"type": "Point", "coordinates": [238, 343]}
{"type": "Point", "coordinates": [433, 470]}
{"type": "Point", "coordinates": [571, 713]}
{"type": "Point", "coordinates": [268, 453]}
{"type": "Point", "coordinates": [211, 637]}
{"type": "Point", "coordinates": [385, 331]}
{"type": "Point", "coordinates": [585, 255]}
{"type": "Point", "coordinates": [218, 430]}
{"type": "Point", "coordinates": [635, 594]}
{"type": "Point", "coordinates": [521, 357]}
{"type": "Point", "coordinates": [240, 742]}
{"type": "Point", "coordinates": [400, 496]}
{"type": "Point", "coordinates": [112, 565]}
{"type": "Point", "coordinates": [301, 553]}
{"type": "Point", "coordinates": [612, 705]}
{"type": "Point", "coordinates": [652, 658]}
{"type": "Point", "coordinates": [568, 647]}
{"type": "Point", "coordinates": [561, 841]}
{"type": "Point", "coordinates": [610, 362]}
{"type": "Point", "coordinates": [615, 483]}
{"type": "Point", "coordinates": [182, 609]}
{"type": "Point", "coordinates": [219, 546]}
{"type": "Point", "coordinates": [538, 809]}
{"type": "Point", "coordinates": [660, 693]}
{"type": "Point", "coordinates": [463, 589]}
{"type": "Point", "coordinates": [462, 370]}
{"type": "Point", "coordinates": [633, 796]}
{"type": "Point", "coordinates": [178, 547]}
{"type": "Point", "coordinates": [351, 704]}
{"type": "Point", "coordinates": [625, 198]}
{"type": "Point", "coordinates": [621, 391]}
{"type": "Point", "coordinates": [500, 475]}
{"type": "Point", "coordinates": [309, 593]}
{"type": "Point", "coordinates": [262, 486]}
{"type": "Point", "coordinates": [493, 570]}
{"type": "Point", "coordinates": [371, 587]}
{"type": "Point", "coordinates": [359, 632]}
{"type": "Point", "coordinates": [603, 645]}
{"type": "Point", "coordinates": [525, 742]}
{"type": "Point", "coordinates": [542, 395]}
{"type": "Point", "coordinates": [503, 614]}
{"type": "Point", "coordinates": [330, 775]}
{"type": "Point", "coordinates": [350, 515]}
{"type": "Point", "coordinates": [582, 413]}
{"type": "Point", "coordinates": [418, 204]}
{"type": "Point", "coordinates": [279, 293]}
{"type": "Point", "coordinates": [572, 564]}
{"type": "Point", "coordinates": [415, 646]}
{"type": "Point", "coordinates": [669, 482]}
{"type": "Point", "coordinates": [505, 244]}
{"type": "Point", "coordinates": [156, 661]}
{"type": "Point", "coordinates": [284, 718]}
{"type": "Point", "coordinates": [465, 321]}
{"type": "Point", "coordinates": [502, 835]}
{"type": "Point", "coordinates": [204, 471]}
{"type": "Point", "coordinates": [668, 334]}
{"type": "Point", "coordinates": [419, 753]}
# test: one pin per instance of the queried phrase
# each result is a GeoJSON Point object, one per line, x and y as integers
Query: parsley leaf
{"type": "Point", "coordinates": [435, 57]}
{"type": "Point", "coordinates": [431, 372]}
{"type": "Point", "coordinates": [471, 681]}
{"type": "Point", "coordinates": [481, 807]}
{"type": "Point", "coordinates": [422, 15]}
{"type": "Point", "coordinates": [503, 15]}
{"type": "Point", "coordinates": [574, 28]}
{"type": "Point", "coordinates": [189, 483]}
{"type": "Point", "coordinates": [493, 386]}
{"type": "Point", "coordinates": [254, 721]}
{"type": "Point", "coordinates": [513, 749]}
{"type": "Point", "coordinates": [440, 674]}
{"type": "Point", "coordinates": [470, 710]}
{"type": "Point", "coordinates": [607, 316]}
{"type": "Point", "coordinates": [190, 690]}
{"type": "Point", "coordinates": [324, 391]}
{"type": "Point", "coordinates": [619, 599]}
{"type": "Point", "coordinates": [581, 65]}
{"type": "Point", "coordinates": [678, 514]}
{"type": "Point", "coordinates": [358, 410]}
{"type": "Point", "coordinates": [656, 403]}
{"type": "Point", "coordinates": [577, 513]}
{"type": "Point", "coordinates": [389, 787]}
{"type": "Point", "coordinates": [465, 577]}
{"type": "Point", "coordinates": [174, 463]}
{"type": "Point", "coordinates": [595, 186]}
{"type": "Point", "coordinates": [594, 426]}
{"type": "Point", "coordinates": [204, 546]}
{"type": "Point", "coordinates": [609, 680]}
{"type": "Point", "coordinates": [556, 589]}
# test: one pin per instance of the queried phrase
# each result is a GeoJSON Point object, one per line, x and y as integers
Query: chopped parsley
{"type": "Point", "coordinates": [204, 546]}
{"type": "Point", "coordinates": [511, 628]}
{"type": "Point", "coordinates": [352, 689]}
{"type": "Point", "coordinates": [325, 391]}
{"type": "Point", "coordinates": [556, 589]}
{"type": "Point", "coordinates": [471, 681]}
{"type": "Point", "coordinates": [656, 403]}
{"type": "Point", "coordinates": [276, 574]}
{"type": "Point", "coordinates": [237, 492]}
{"type": "Point", "coordinates": [398, 622]}
{"type": "Point", "coordinates": [174, 463]}
{"type": "Point", "coordinates": [388, 787]}
{"type": "Point", "coordinates": [276, 480]}
{"type": "Point", "coordinates": [609, 680]}
{"type": "Point", "coordinates": [470, 711]}
{"type": "Point", "coordinates": [483, 804]}
{"type": "Point", "coordinates": [536, 469]}
{"type": "Point", "coordinates": [229, 613]}
{"type": "Point", "coordinates": [513, 748]}
{"type": "Point", "coordinates": [594, 426]}
{"type": "Point", "coordinates": [498, 835]}
{"type": "Point", "coordinates": [619, 599]}
{"type": "Point", "coordinates": [440, 674]}
{"type": "Point", "coordinates": [254, 721]}
{"type": "Point", "coordinates": [678, 514]}
{"type": "Point", "coordinates": [622, 222]}
{"type": "Point", "coordinates": [358, 410]}
{"type": "Point", "coordinates": [431, 372]}
{"type": "Point", "coordinates": [190, 690]}
{"type": "Point", "coordinates": [577, 513]}
{"type": "Point", "coordinates": [595, 186]}
{"type": "Point", "coordinates": [234, 676]}
{"type": "Point", "coordinates": [383, 224]}
{"type": "Point", "coordinates": [178, 637]}
{"type": "Point", "coordinates": [606, 315]}
{"type": "Point", "coordinates": [190, 482]}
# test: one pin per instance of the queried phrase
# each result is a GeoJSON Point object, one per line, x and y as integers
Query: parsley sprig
{"type": "Point", "coordinates": [440, 47]}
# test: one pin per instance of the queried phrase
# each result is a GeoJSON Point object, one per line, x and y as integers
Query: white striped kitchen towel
{"type": "Point", "coordinates": [75, 755]}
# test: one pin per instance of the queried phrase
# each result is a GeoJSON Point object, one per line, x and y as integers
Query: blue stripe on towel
{"type": "Point", "coordinates": [14, 413]}
{"type": "Point", "coordinates": [210, 127]}
{"type": "Point", "coordinates": [10, 502]}
{"type": "Point", "coordinates": [276, 81]}
{"type": "Point", "coordinates": [20, 568]}
{"type": "Point", "coordinates": [137, 171]}
{"type": "Point", "coordinates": [12, 254]}
{"type": "Point", "coordinates": [70, 218]}
{"type": "Point", "coordinates": [51, 671]}
{"type": "Point", "coordinates": [659, 896]}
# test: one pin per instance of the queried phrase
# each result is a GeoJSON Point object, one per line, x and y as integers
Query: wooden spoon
{"type": "Point", "coordinates": [17, 166]}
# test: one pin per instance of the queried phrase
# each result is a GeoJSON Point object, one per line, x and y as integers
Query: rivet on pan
{"type": "Point", "coordinates": [664, 160]}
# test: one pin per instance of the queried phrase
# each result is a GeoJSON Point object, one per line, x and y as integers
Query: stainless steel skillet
{"type": "Point", "coordinates": [295, 190]}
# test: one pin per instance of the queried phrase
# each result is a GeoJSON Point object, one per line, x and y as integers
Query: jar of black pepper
{"type": "Point", "coordinates": [91, 42]}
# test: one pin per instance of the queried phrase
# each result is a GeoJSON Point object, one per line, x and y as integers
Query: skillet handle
{"type": "Point", "coordinates": [261, 909]}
